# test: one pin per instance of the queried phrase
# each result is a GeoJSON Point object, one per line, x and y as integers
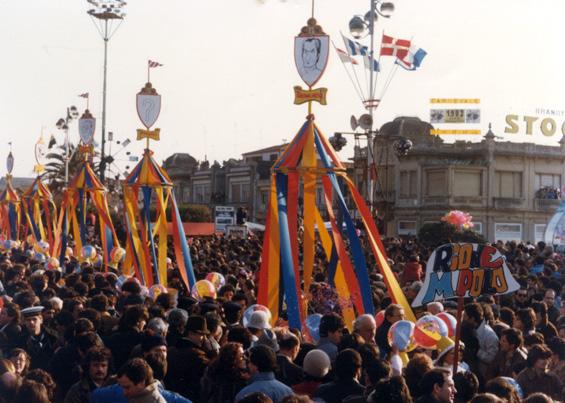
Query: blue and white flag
{"type": "Point", "coordinates": [355, 48]}
{"type": "Point", "coordinates": [371, 63]}
{"type": "Point", "coordinates": [413, 59]}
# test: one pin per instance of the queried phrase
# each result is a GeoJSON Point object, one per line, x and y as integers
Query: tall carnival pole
{"type": "Point", "coordinates": [105, 13]}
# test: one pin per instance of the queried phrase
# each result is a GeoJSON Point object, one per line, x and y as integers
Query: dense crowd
{"type": "Point", "coordinates": [80, 334]}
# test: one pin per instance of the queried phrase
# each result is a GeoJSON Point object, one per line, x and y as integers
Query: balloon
{"type": "Point", "coordinates": [117, 255]}
{"type": "Point", "coordinates": [39, 257]}
{"type": "Point", "coordinates": [98, 261]}
{"type": "Point", "coordinates": [41, 247]}
{"type": "Point", "coordinates": [156, 290]}
{"type": "Point", "coordinates": [515, 385]}
{"type": "Point", "coordinates": [203, 288]}
{"type": "Point", "coordinates": [443, 330]}
{"type": "Point", "coordinates": [313, 325]}
{"type": "Point", "coordinates": [52, 263]}
{"type": "Point", "coordinates": [88, 252]}
{"type": "Point", "coordinates": [29, 253]}
{"type": "Point", "coordinates": [459, 219]}
{"type": "Point", "coordinates": [380, 317]}
{"type": "Point", "coordinates": [256, 307]}
{"type": "Point", "coordinates": [69, 251]}
{"type": "Point", "coordinates": [450, 322]}
{"type": "Point", "coordinates": [427, 332]}
{"type": "Point", "coordinates": [30, 239]}
{"type": "Point", "coordinates": [401, 335]}
{"type": "Point", "coordinates": [217, 279]}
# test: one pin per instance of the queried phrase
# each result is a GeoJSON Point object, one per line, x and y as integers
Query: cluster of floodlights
{"type": "Point", "coordinates": [107, 9]}
{"type": "Point", "coordinates": [361, 26]}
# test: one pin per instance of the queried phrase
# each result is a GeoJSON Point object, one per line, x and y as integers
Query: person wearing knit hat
{"type": "Point", "coordinates": [446, 355]}
{"type": "Point", "coordinates": [316, 366]}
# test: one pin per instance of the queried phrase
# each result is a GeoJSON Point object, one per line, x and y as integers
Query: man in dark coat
{"type": "Point", "coordinates": [187, 361]}
{"type": "Point", "coordinates": [437, 387]}
{"type": "Point", "coordinates": [347, 368]}
{"type": "Point", "coordinates": [39, 342]}
{"type": "Point", "coordinates": [288, 372]}
{"type": "Point", "coordinates": [95, 373]}
{"type": "Point", "coordinates": [393, 313]}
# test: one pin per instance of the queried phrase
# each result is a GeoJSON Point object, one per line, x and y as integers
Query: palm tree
{"type": "Point", "coordinates": [55, 167]}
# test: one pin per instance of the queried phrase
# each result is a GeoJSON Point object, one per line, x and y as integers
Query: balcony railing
{"type": "Point", "coordinates": [508, 202]}
{"type": "Point", "coordinates": [546, 204]}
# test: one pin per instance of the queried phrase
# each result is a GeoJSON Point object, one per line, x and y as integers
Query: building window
{"type": "Point", "coordinates": [408, 184]}
{"type": "Point", "coordinates": [406, 227]}
{"type": "Point", "coordinates": [478, 227]}
{"type": "Point", "coordinates": [539, 232]}
{"type": "Point", "coordinates": [185, 194]}
{"type": "Point", "coordinates": [239, 192]}
{"type": "Point", "coordinates": [468, 183]}
{"type": "Point", "coordinates": [509, 184]}
{"type": "Point", "coordinates": [547, 180]}
{"type": "Point", "coordinates": [201, 193]}
{"type": "Point", "coordinates": [436, 184]}
{"type": "Point", "coordinates": [507, 232]}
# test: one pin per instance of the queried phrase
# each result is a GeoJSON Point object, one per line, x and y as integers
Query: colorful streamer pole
{"type": "Point", "coordinates": [310, 159]}
{"type": "Point", "coordinates": [149, 184]}
{"type": "Point", "coordinates": [85, 190]}
{"type": "Point", "coordinates": [10, 206]}
{"type": "Point", "coordinates": [40, 212]}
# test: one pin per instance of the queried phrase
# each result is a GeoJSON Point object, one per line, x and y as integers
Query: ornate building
{"type": "Point", "coordinates": [510, 189]}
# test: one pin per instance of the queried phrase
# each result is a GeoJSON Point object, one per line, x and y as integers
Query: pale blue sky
{"type": "Point", "coordinates": [229, 69]}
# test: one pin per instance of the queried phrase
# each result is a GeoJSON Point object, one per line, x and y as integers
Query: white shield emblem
{"type": "Point", "coordinates": [311, 57]}
{"type": "Point", "coordinates": [40, 151]}
{"type": "Point", "coordinates": [86, 128]}
{"type": "Point", "coordinates": [148, 108]}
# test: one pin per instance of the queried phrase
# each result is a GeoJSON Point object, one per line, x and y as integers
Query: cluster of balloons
{"type": "Point", "coordinates": [9, 244]}
{"type": "Point", "coordinates": [426, 332]}
{"type": "Point", "coordinates": [88, 252]}
{"type": "Point", "coordinates": [117, 255]}
{"type": "Point", "coordinates": [458, 218]}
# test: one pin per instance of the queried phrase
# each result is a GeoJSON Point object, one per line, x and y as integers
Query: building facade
{"type": "Point", "coordinates": [510, 189]}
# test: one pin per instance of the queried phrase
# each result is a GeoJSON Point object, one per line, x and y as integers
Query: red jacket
{"type": "Point", "coordinates": [412, 272]}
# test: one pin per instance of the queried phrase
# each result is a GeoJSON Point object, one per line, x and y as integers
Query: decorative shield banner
{"type": "Point", "coordinates": [10, 163]}
{"type": "Point", "coordinates": [40, 150]}
{"type": "Point", "coordinates": [86, 126]}
{"type": "Point", "coordinates": [148, 108]}
{"type": "Point", "coordinates": [465, 270]}
{"type": "Point", "coordinates": [311, 57]}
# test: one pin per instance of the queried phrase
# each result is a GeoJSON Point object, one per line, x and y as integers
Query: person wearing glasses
{"type": "Point", "coordinates": [393, 313]}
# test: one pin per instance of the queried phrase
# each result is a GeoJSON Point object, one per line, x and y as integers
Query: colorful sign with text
{"type": "Point", "coordinates": [465, 270]}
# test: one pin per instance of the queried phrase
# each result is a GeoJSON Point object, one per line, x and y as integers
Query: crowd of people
{"type": "Point", "coordinates": [81, 334]}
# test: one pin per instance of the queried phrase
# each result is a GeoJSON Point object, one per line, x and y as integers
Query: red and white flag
{"type": "Point", "coordinates": [395, 47]}
{"type": "Point", "coordinates": [344, 57]}
{"type": "Point", "coordinates": [83, 95]}
{"type": "Point", "coordinates": [153, 64]}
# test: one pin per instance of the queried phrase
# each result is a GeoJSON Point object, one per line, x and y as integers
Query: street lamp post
{"type": "Point", "coordinates": [105, 12]}
{"type": "Point", "coordinates": [63, 124]}
{"type": "Point", "coordinates": [360, 27]}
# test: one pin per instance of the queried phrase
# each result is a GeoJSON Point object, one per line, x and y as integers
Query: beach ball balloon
{"type": "Point", "coordinates": [443, 330]}
{"type": "Point", "coordinates": [202, 289]}
{"type": "Point", "coordinates": [380, 317]}
{"type": "Point", "coordinates": [313, 325]}
{"type": "Point", "coordinates": [69, 252]}
{"type": "Point", "coordinates": [39, 257]}
{"type": "Point", "coordinates": [156, 290]}
{"type": "Point", "coordinates": [98, 261]}
{"type": "Point", "coordinates": [217, 279]}
{"type": "Point", "coordinates": [256, 307]}
{"type": "Point", "coordinates": [427, 332]}
{"type": "Point", "coordinates": [449, 321]}
{"type": "Point", "coordinates": [88, 252]}
{"type": "Point", "coordinates": [41, 247]}
{"type": "Point", "coordinates": [52, 263]}
{"type": "Point", "coordinates": [29, 253]}
{"type": "Point", "coordinates": [30, 239]}
{"type": "Point", "coordinates": [401, 335]}
{"type": "Point", "coordinates": [117, 255]}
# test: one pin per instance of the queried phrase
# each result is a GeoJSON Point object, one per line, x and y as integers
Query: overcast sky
{"type": "Point", "coordinates": [229, 70]}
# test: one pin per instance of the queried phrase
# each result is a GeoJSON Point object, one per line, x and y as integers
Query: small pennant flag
{"type": "Point", "coordinates": [153, 64]}
{"type": "Point", "coordinates": [354, 48]}
{"type": "Point", "coordinates": [394, 47]}
{"type": "Point", "coordinates": [413, 60]}
{"type": "Point", "coordinates": [83, 95]}
{"type": "Point", "coordinates": [344, 57]}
